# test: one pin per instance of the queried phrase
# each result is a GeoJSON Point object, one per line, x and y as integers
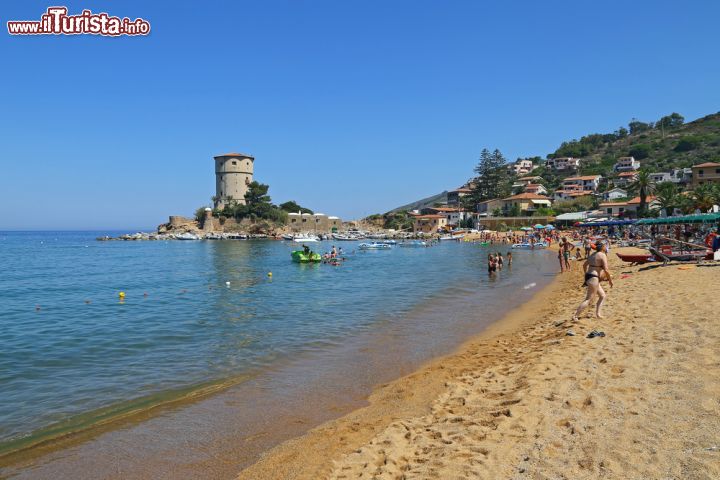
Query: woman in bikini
{"type": "Point", "coordinates": [595, 266]}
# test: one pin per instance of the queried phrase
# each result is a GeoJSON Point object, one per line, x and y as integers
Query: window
{"type": "Point", "coordinates": [700, 172]}
{"type": "Point", "coordinates": [609, 210]}
{"type": "Point", "coordinates": [304, 220]}
{"type": "Point", "coordinates": [717, 170]}
{"type": "Point", "coordinates": [234, 162]}
{"type": "Point", "coordinates": [293, 220]}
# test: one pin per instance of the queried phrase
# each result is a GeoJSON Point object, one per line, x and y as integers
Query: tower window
{"type": "Point", "coordinates": [234, 162]}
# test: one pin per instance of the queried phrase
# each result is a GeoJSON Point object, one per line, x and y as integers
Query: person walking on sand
{"type": "Point", "coordinates": [595, 266]}
{"type": "Point", "coordinates": [565, 247]}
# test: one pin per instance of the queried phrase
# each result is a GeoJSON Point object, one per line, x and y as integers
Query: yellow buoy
{"type": "Point", "coordinates": [121, 294]}
{"type": "Point", "coordinates": [269, 274]}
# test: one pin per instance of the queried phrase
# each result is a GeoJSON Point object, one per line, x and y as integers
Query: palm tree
{"type": "Point", "coordinates": [666, 194]}
{"type": "Point", "coordinates": [704, 197]}
{"type": "Point", "coordinates": [644, 187]}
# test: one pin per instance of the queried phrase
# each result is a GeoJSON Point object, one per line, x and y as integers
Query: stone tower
{"type": "Point", "coordinates": [233, 174]}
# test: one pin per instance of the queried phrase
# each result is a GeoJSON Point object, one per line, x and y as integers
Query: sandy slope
{"type": "Point", "coordinates": [527, 401]}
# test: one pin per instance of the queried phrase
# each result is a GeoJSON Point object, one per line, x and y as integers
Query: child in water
{"type": "Point", "coordinates": [509, 258]}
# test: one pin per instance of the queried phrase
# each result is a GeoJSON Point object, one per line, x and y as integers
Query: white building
{"type": "Point", "coordinates": [563, 163]}
{"type": "Point", "coordinates": [522, 167]}
{"type": "Point", "coordinates": [587, 182]}
{"type": "Point", "coordinates": [614, 194]}
{"type": "Point", "coordinates": [625, 164]}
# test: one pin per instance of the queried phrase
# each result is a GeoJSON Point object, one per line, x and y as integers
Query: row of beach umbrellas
{"type": "Point", "coordinates": [538, 227]}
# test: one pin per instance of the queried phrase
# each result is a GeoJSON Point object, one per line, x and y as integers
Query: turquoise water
{"type": "Point", "coordinates": [180, 327]}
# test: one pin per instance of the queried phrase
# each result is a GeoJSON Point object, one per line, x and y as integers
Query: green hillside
{"type": "Point", "coordinates": [659, 146]}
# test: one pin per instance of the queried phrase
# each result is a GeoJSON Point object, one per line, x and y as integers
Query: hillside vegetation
{"type": "Point", "coordinates": [660, 146]}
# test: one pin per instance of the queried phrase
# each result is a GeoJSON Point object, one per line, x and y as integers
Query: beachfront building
{"type": "Point", "coordinates": [454, 196]}
{"type": "Point", "coordinates": [659, 177]}
{"type": "Point", "coordinates": [625, 178]}
{"type": "Point", "coordinates": [614, 194]}
{"type": "Point", "coordinates": [625, 164]}
{"type": "Point", "coordinates": [487, 207]}
{"type": "Point", "coordinates": [708, 172]}
{"type": "Point", "coordinates": [526, 203]}
{"type": "Point", "coordinates": [313, 222]}
{"type": "Point", "coordinates": [233, 174]}
{"type": "Point", "coordinates": [453, 215]}
{"type": "Point", "coordinates": [562, 164]}
{"type": "Point", "coordinates": [626, 209]}
{"type": "Point", "coordinates": [430, 223]}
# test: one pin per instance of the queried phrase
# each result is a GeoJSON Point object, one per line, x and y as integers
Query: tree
{"type": "Point", "coordinates": [200, 214]}
{"type": "Point", "coordinates": [644, 187]}
{"type": "Point", "coordinates": [514, 211]}
{"type": "Point", "coordinates": [493, 180]}
{"type": "Point", "coordinates": [704, 197]}
{"type": "Point", "coordinates": [673, 120]}
{"type": "Point", "coordinates": [688, 143]}
{"type": "Point", "coordinates": [621, 132]}
{"type": "Point", "coordinates": [666, 194]}
{"type": "Point", "coordinates": [292, 206]}
{"type": "Point", "coordinates": [640, 151]}
{"type": "Point", "coordinates": [637, 126]}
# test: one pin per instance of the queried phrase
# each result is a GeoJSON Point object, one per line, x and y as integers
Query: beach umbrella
{"type": "Point", "coordinates": [525, 229]}
{"type": "Point", "coordinates": [539, 226]}
{"type": "Point", "coordinates": [549, 227]}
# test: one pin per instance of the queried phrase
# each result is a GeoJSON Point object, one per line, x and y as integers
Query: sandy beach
{"type": "Point", "coordinates": [525, 400]}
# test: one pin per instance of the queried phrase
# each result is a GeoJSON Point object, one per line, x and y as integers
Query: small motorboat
{"type": "Point", "coordinates": [530, 245]}
{"type": "Point", "coordinates": [452, 237]}
{"type": "Point", "coordinates": [413, 244]}
{"type": "Point", "coordinates": [344, 238]}
{"type": "Point", "coordinates": [375, 246]}
{"type": "Point", "coordinates": [305, 238]}
{"type": "Point", "coordinates": [300, 256]}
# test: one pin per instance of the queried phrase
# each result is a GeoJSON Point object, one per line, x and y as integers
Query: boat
{"type": "Point", "coordinates": [300, 256]}
{"type": "Point", "coordinates": [344, 238]}
{"type": "Point", "coordinates": [288, 236]}
{"type": "Point", "coordinates": [636, 258]}
{"type": "Point", "coordinates": [530, 245]}
{"type": "Point", "coordinates": [303, 238]}
{"type": "Point", "coordinates": [186, 236]}
{"type": "Point", "coordinates": [451, 237]}
{"type": "Point", "coordinates": [414, 244]}
{"type": "Point", "coordinates": [375, 246]}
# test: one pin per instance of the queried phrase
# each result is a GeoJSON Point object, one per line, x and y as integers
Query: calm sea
{"type": "Point", "coordinates": [73, 353]}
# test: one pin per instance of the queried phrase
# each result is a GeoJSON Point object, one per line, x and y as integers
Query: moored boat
{"type": "Point", "coordinates": [374, 246]}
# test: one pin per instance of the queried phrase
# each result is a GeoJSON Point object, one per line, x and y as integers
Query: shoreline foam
{"type": "Point", "coordinates": [523, 400]}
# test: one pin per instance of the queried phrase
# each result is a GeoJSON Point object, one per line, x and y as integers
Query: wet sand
{"type": "Point", "coordinates": [524, 400]}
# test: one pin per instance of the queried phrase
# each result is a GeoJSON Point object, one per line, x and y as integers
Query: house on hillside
{"type": "Point", "coordinates": [614, 194]}
{"type": "Point", "coordinates": [527, 203]}
{"type": "Point", "coordinates": [676, 175]}
{"type": "Point", "coordinates": [562, 164]}
{"type": "Point", "coordinates": [625, 178]}
{"type": "Point", "coordinates": [587, 182]}
{"type": "Point", "coordinates": [521, 167]}
{"type": "Point", "coordinates": [454, 196]}
{"type": "Point", "coordinates": [536, 188]}
{"type": "Point", "coordinates": [708, 172]}
{"type": "Point", "coordinates": [625, 164]}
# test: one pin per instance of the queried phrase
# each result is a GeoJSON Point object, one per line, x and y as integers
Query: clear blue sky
{"type": "Point", "coordinates": [350, 107]}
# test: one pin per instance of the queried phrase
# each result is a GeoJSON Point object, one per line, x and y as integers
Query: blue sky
{"type": "Point", "coordinates": [350, 107]}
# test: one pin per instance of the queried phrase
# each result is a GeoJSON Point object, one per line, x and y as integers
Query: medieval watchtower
{"type": "Point", "coordinates": [233, 174]}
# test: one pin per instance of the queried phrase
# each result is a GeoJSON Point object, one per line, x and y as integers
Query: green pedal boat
{"type": "Point", "coordinates": [302, 257]}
